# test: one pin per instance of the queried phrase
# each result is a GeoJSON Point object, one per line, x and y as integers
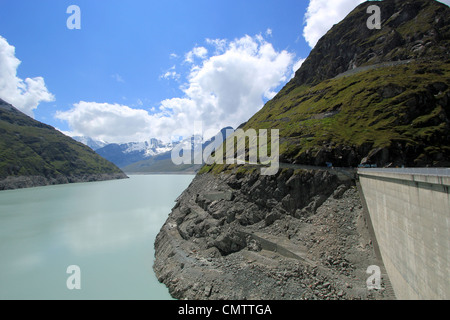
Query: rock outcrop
{"type": "Point", "coordinates": [298, 235]}
{"type": "Point", "coordinates": [409, 30]}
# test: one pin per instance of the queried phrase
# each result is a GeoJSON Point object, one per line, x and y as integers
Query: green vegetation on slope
{"type": "Point", "coordinates": [380, 108]}
{"type": "Point", "coordinates": [31, 148]}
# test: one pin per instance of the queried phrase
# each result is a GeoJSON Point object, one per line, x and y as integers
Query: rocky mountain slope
{"type": "Point", "coordinates": [362, 96]}
{"type": "Point", "coordinates": [35, 154]}
{"type": "Point", "coordinates": [370, 96]}
{"type": "Point", "coordinates": [238, 235]}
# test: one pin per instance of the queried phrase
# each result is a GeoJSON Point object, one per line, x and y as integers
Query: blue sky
{"type": "Point", "coordinates": [138, 68]}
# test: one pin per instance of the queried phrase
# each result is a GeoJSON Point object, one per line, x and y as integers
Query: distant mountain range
{"type": "Point", "coordinates": [125, 154]}
{"type": "Point", "coordinates": [153, 156]}
{"type": "Point", "coordinates": [36, 154]}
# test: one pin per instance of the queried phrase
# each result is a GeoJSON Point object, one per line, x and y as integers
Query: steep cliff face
{"type": "Point", "coordinates": [35, 154]}
{"type": "Point", "coordinates": [298, 235]}
{"type": "Point", "coordinates": [416, 29]}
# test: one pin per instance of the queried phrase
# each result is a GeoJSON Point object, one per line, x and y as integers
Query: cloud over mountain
{"type": "Point", "coordinates": [220, 90]}
{"type": "Point", "coordinates": [321, 15]}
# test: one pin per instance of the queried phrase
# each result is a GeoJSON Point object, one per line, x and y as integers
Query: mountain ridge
{"type": "Point", "coordinates": [35, 154]}
{"type": "Point", "coordinates": [404, 35]}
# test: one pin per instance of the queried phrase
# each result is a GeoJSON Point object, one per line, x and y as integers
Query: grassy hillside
{"type": "Point", "coordinates": [31, 148]}
{"type": "Point", "coordinates": [401, 111]}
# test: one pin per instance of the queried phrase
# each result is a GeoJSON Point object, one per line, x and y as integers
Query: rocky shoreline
{"type": "Point", "coordinates": [20, 182]}
{"type": "Point", "coordinates": [300, 234]}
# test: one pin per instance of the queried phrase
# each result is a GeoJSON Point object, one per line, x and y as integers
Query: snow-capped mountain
{"type": "Point", "coordinates": [153, 150]}
{"type": "Point", "coordinates": [91, 143]}
{"type": "Point", "coordinates": [163, 163]}
{"type": "Point", "coordinates": [128, 153]}
{"type": "Point", "coordinates": [148, 148]}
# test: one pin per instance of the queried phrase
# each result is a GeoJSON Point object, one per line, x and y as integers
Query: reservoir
{"type": "Point", "coordinates": [106, 228]}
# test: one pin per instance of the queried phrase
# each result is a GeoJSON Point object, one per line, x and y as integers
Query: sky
{"type": "Point", "coordinates": [141, 69]}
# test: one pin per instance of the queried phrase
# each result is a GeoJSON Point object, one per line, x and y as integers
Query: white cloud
{"type": "Point", "coordinates": [197, 52]}
{"type": "Point", "coordinates": [170, 74]}
{"type": "Point", "coordinates": [269, 32]}
{"type": "Point", "coordinates": [109, 122]}
{"type": "Point", "coordinates": [447, 2]}
{"type": "Point", "coordinates": [228, 88]}
{"type": "Point", "coordinates": [26, 94]}
{"type": "Point", "coordinates": [219, 44]}
{"type": "Point", "coordinates": [321, 15]}
{"type": "Point", "coordinates": [222, 90]}
{"type": "Point", "coordinates": [118, 78]}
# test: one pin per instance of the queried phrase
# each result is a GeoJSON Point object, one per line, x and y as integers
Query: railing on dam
{"type": "Point", "coordinates": [420, 171]}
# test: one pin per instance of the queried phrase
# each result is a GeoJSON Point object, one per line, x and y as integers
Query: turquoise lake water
{"type": "Point", "coordinates": [107, 229]}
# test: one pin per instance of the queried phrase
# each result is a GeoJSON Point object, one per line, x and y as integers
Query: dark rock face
{"type": "Point", "coordinates": [296, 235]}
{"type": "Point", "coordinates": [350, 44]}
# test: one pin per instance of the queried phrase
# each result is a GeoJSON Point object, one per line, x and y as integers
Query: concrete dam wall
{"type": "Point", "coordinates": [410, 213]}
